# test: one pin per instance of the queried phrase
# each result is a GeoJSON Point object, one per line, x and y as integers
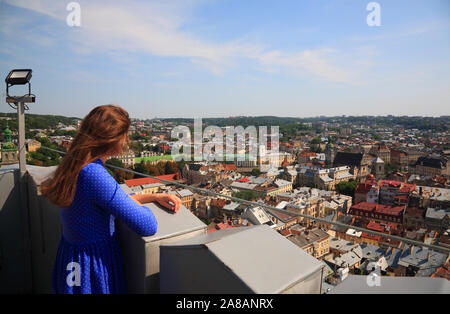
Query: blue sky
{"type": "Point", "coordinates": [211, 58]}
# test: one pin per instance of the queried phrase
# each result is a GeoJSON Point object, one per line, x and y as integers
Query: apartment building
{"type": "Point", "coordinates": [315, 242]}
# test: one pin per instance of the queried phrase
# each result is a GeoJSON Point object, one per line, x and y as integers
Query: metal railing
{"type": "Point", "coordinates": [251, 203]}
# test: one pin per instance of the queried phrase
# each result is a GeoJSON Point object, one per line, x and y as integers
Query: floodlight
{"type": "Point", "coordinates": [18, 77]}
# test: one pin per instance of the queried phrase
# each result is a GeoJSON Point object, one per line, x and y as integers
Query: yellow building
{"type": "Point", "coordinates": [315, 242]}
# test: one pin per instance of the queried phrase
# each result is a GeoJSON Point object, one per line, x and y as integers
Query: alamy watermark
{"type": "Point", "coordinates": [226, 144]}
{"type": "Point", "coordinates": [74, 276]}
{"type": "Point", "coordinates": [374, 278]}
{"type": "Point", "coordinates": [374, 17]}
{"type": "Point", "coordinates": [74, 17]}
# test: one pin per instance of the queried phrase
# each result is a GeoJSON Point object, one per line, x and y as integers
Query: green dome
{"type": "Point", "coordinates": [7, 130]}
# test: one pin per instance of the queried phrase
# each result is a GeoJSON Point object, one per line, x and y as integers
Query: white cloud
{"type": "Point", "coordinates": [156, 28]}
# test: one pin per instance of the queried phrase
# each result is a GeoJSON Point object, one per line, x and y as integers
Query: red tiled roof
{"type": "Point", "coordinates": [390, 183]}
{"type": "Point", "coordinates": [375, 226]}
{"type": "Point", "coordinates": [285, 232]}
{"type": "Point", "coordinates": [442, 272]}
{"type": "Point", "coordinates": [229, 167]}
{"type": "Point", "coordinates": [308, 154]}
{"type": "Point", "coordinates": [141, 181]}
{"type": "Point", "coordinates": [243, 180]}
{"type": "Point", "coordinates": [370, 236]}
{"type": "Point", "coordinates": [407, 188]}
{"type": "Point", "coordinates": [364, 206]}
{"type": "Point", "coordinates": [378, 208]}
{"type": "Point", "coordinates": [389, 210]}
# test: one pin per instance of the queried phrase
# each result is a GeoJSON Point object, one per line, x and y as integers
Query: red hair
{"type": "Point", "coordinates": [100, 134]}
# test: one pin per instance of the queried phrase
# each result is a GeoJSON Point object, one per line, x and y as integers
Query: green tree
{"type": "Point", "coordinates": [45, 157]}
{"type": "Point", "coordinates": [256, 172]}
{"type": "Point", "coordinates": [141, 168]}
{"type": "Point", "coordinates": [347, 188]}
{"type": "Point", "coordinates": [283, 176]}
{"type": "Point", "coordinates": [246, 195]}
{"type": "Point", "coordinates": [389, 168]}
{"type": "Point", "coordinates": [171, 167]}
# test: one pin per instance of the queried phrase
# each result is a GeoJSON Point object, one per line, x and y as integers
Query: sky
{"type": "Point", "coordinates": [220, 58]}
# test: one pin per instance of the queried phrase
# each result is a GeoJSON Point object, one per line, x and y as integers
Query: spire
{"type": "Point", "coordinates": [7, 133]}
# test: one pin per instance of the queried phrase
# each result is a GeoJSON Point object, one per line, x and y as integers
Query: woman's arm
{"type": "Point", "coordinates": [104, 191]}
{"type": "Point", "coordinates": [169, 201]}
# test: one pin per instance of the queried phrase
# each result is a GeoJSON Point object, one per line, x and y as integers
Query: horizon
{"type": "Point", "coordinates": [216, 59]}
{"type": "Point", "coordinates": [261, 116]}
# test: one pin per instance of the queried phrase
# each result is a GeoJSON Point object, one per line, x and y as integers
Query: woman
{"type": "Point", "coordinates": [89, 258]}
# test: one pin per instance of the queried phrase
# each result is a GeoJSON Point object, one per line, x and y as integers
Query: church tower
{"type": "Point", "coordinates": [8, 152]}
{"type": "Point", "coordinates": [378, 168]}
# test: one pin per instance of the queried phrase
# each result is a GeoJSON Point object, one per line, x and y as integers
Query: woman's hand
{"type": "Point", "coordinates": [169, 201]}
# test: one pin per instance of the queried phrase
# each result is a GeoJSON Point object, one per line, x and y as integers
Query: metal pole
{"type": "Point", "coordinates": [24, 210]}
{"type": "Point", "coordinates": [21, 136]}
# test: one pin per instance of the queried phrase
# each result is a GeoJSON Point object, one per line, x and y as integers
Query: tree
{"type": "Point", "coordinates": [119, 175]}
{"type": "Point", "coordinates": [246, 195]}
{"type": "Point", "coordinates": [45, 157]}
{"type": "Point", "coordinates": [256, 172]}
{"type": "Point", "coordinates": [181, 164]}
{"type": "Point", "coordinates": [316, 140]}
{"type": "Point", "coordinates": [140, 167]}
{"type": "Point", "coordinates": [153, 170]}
{"type": "Point", "coordinates": [161, 165]}
{"type": "Point", "coordinates": [315, 148]}
{"type": "Point", "coordinates": [347, 188]}
{"type": "Point", "coordinates": [283, 176]}
{"type": "Point", "coordinates": [115, 162]}
{"type": "Point", "coordinates": [390, 168]}
{"type": "Point", "coordinates": [171, 167]}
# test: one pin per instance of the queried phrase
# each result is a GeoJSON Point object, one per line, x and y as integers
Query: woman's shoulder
{"type": "Point", "coordinates": [95, 167]}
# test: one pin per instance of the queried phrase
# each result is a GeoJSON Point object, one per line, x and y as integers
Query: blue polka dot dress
{"type": "Point", "coordinates": [89, 258]}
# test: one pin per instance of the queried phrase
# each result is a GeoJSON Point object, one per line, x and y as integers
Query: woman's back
{"type": "Point", "coordinates": [89, 257]}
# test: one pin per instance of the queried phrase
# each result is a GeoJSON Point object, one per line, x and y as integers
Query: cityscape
{"type": "Point", "coordinates": [385, 174]}
{"type": "Point", "coordinates": [308, 142]}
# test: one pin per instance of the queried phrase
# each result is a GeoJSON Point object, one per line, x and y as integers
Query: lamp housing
{"type": "Point", "coordinates": [19, 77]}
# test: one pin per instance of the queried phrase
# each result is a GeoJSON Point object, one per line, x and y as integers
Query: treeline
{"type": "Point", "coordinates": [45, 157]}
{"type": "Point", "coordinates": [35, 121]}
{"type": "Point", "coordinates": [416, 122]}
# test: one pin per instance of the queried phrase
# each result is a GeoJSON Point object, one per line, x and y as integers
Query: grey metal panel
{"type": "Point", "coordinates": [45, 228]}
{"type": "Point", "coordinates": [194, 270]}
{"type": "Point", "coordinates": [208, 237]}
{"type": "Point", "coordinates": [141, 254]}
{"type": "Point", "coordinates": [15, 265]}
{"type": "Point", "coordinates": [251, 254]}
{"type": "Point", "coordinates": [393, 285]}
{"type": "Point", "coordinates": [310, 285]}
